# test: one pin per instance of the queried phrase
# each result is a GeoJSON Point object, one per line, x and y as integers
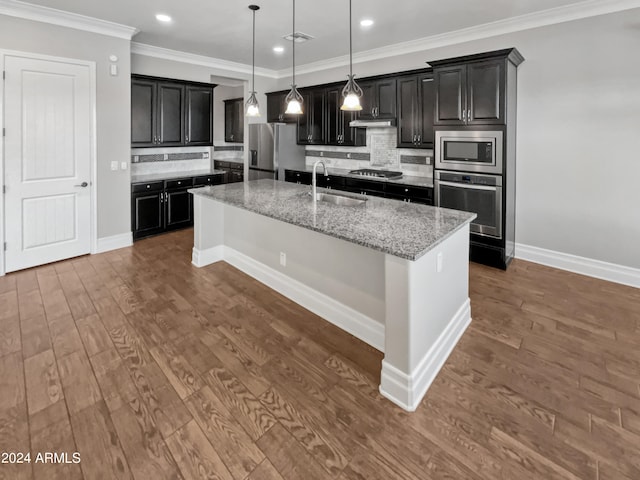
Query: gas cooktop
{"type": "Point", "coordinates": [368, 172]}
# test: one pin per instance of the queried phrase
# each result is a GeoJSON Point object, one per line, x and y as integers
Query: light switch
{"type": "Point", "coordinates": [439, 262]}
{"type": "Point", "coordinates": [123, 165]}
{"type": "Point", "coordinates": [114, 165]}
{"type": "Point", "coordinates": [113, 70]}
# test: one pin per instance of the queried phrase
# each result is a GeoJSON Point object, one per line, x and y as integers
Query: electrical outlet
{"type": "Point", "coordinates": [322, 154]}
{"type": "Point", "coordinates": [439, 262]}
{"type": "Point", "coordinates": [283, 259]}
{"type": "Point", "coordinates": [205, 155]}
{"type": "Point", "coordinates": [166, 156]}
{"type": "Point", "coordinates": [114, 165]}
{"type": "Point", "coordinates": [348, 155]}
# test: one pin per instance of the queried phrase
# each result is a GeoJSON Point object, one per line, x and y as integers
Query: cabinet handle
{"type": "Point", "coordinates": [231, 137]}
{"type": "Point", "coordinates": [280, 117]}
{"type": "Point", "coordinates": [419, 139]}
{"type": "Point", "coordinates": [187, 138]}
{"type": "Point", "coordinates": [162, 198]}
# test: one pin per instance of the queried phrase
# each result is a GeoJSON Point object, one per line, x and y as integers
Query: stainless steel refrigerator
{"type": "Point", "coordinates": [272, 148]}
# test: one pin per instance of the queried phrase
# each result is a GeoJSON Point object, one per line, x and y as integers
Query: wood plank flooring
{"type": "Point", "coordinates": [154, 369]}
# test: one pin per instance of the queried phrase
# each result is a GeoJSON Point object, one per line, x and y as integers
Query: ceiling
{"type": "Point", "coordinates": [222, 29]}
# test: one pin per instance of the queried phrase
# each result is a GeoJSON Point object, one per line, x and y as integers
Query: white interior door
{"type": "Point", "coordinates": [47, 117]}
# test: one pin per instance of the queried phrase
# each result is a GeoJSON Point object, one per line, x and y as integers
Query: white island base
{"type": "Point", "coordinates": [413, 311]}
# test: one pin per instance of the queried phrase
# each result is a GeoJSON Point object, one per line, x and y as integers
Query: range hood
{"type": "Point", "coordinates": [373, 123]}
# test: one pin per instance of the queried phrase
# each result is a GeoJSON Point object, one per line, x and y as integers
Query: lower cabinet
{"type": "Point", "coordinates": [234, 171]}
{"type": "Point", "coordinates": [395, 191]}
{"type": "Point", "coordinates": [165, 205]}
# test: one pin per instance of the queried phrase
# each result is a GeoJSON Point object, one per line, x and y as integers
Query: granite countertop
{"type": "Point", "coordinates": [155, 177]}
{"type": "Point", "coordinates": [406, 230]}
{"type": "Point", "coordinates": [405, 180]}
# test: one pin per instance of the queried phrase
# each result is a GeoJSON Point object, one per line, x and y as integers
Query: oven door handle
{"type": "Point", "coordinates": [470, 186]}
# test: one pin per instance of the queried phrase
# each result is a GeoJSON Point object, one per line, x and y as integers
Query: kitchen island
{"type": "Point", "coordinates": [391, 273]}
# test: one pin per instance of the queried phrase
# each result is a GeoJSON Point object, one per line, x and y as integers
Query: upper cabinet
{"type": "Point", "coordinates": [199, 128]}
{"type": "Point", "coordinates": [276, 108]}
{"type": "Point", "coordinates": [234, 120]}
{"type": "Point", "coordinates": [169, 113]}
{"type": "Point", "coordinates": [415, 110]}
{"type": "Point", "coordinates": [472, 90]}
{"type": "Point", "coordinates": [337, 121]}
{"type": "Point", "coordinates": [378, 99]}
{"type": "Point", "coordinates": [311, 124]}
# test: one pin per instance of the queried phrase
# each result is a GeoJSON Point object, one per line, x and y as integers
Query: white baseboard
{"type": "Point", "coordinates": [407, 391]}
{"type": "Point", "coordinates": [202, 258]}
{"type": "Point", "coordinates": [582, 265]}
{"type": "Point", "coordinates": [106, 244]}
{"type": "Point", "coordinates": [357, 324]}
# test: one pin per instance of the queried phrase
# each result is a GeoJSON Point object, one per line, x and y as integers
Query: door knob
{"type": "Point", "coordinates": [83, 185]}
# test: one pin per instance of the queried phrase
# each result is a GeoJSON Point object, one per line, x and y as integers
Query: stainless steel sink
{"type": "Point", "coordinates": [340, 199]}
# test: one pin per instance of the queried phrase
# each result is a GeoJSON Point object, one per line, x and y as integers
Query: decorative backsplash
{"type": "Point", "coordinates": [169, 157]}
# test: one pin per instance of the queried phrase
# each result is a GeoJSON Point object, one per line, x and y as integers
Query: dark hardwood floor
{"type": "Point", "coordinates": [154, 369]}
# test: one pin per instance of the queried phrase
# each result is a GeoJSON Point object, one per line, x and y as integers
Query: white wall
{"type": "Point", "coordinates": [578, 126]}
{"type": "Point", "coordinates": [112, 110]}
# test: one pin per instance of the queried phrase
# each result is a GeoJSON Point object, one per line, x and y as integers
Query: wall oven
{"type": "Point", "coordinates": [469, 151]}
{"type": "Point", "coordinates": [480, 194]}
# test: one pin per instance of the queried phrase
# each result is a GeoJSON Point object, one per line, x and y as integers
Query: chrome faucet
{"type": "Point", "coordinates": [313, 179]}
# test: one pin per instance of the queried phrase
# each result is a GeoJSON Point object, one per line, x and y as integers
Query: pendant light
{"type": "Point", "coordinates": [294, 99]}
{"type": "Point", "coordinates": [252, 108]}
{"type": "Point", "coordinates": [351, 91]}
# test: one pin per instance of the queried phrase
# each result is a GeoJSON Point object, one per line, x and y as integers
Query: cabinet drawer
{"type": "Point", "coordinates": [208, 180]}
{"type": "Point", "coordinates": [355, 184]}
{"type": "Point", "coordinates": [147, 187]}
{"type": "Point", "coordinates": [329, 181]}
{"type": "Point", "coordinates": [297, 177]}
{"type": "Point", "coordinates": [179, 183]}
{"type": "Point", "coordinates": [410, 191]}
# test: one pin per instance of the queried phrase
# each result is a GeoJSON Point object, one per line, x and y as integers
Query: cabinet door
{"type": "Point", "coordinates": [170, 120]}
{"type": "Point", "coordinates": [178, 209]}
{"type": "Point", "coordinates": [408, 105]}
{"type": "Point", "coordinates": [450, 87]}
{"type": "Point", "coordinates": [234, 120]}
{"type": "Point", "coordinates": [238, 112]}
{"type": "Point", "coordinates": [368, 100]}
{"type": "Point", "coordinates": [351, 136]}
{"type": "Point", "coordinates": [427, 96]}
{"type": "Point", "coordinates": [333, 116]}
{"type": "Point", "coordinates": [147, 214]}
{"type": "Point", "coordinates": [485, 98]}
{"type": "Point", "coordinates": [199, 116]}
{"type": "Point", "coordinates": [386, 98]}
{"type": "Point", "coordinates": [276, 108]}
{"type": "Point", "coordinates": [317, 111]}
{"type": "Point", "coordinates": [143, 106]}
{"type": "Point", "coordinates": [305, 119]}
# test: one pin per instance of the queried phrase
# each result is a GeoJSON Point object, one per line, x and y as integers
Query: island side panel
{"type": "Point", "coordinates": [427, 311]}
{"type": "Point", "coordinates": [208, 231]}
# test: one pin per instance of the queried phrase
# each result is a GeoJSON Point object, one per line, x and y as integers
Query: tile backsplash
{"type": "Point", "coordinates": [380, 152]}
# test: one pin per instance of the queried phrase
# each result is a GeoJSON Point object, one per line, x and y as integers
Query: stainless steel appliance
{"type": "Point", "coordinates": [369, 172]}
{"type": "Point", "coordinates": [480, 194]}
{"type": "Point", "coordinates": [272, 148]}
{"type": "Point", "coordinates": [469, 151]}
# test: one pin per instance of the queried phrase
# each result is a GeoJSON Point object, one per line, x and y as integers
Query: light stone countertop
{"type": "Point", "coordinates": [406, 230]}
{"type": "Point", "coordinates": [155, 177]}
{"type": "Point", "coordinates": [344, 172]}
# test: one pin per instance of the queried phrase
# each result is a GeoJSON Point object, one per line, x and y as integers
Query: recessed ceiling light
{"type": "Point", "coordinates": [162, 17]}
{"type": "Point", "coordinates": [366, 22]}
{"type": "Point", "coordinates": [278, 49]}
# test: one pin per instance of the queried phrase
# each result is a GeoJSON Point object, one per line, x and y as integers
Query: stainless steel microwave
{"type": "Point", "coordinates": [469, 151]}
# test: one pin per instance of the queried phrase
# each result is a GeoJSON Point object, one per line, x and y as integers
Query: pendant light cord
{"type": "Point", "coordinates": [350, 42]}
{"type": "Point", "coordinates": [294, 42]}
{"type": "Point", "coordinates": [253, 59]}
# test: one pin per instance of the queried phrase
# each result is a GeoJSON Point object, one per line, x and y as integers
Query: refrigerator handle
{"type": "Point", "coordinates": [253, 158]}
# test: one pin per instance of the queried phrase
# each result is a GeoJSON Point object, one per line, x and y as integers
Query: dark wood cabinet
{"type": "Point", "coordinates": [378, 99]}
{"type": "Point", "coordinates": [311, 124]}
{"type": "Point", "coordinates": [165, 205]}
{"type": "Point", "coordinates": [362, 186]}
{"type": "Point", "coordinates": [234, 171]}
{"type": "Point", "coordinates": [471, 94]}
{"type": "Point", "coordinates": [276, 108]}
{"type": "Point", "coordinates": [415, 111]}
{"type": "Point", "coordinates": [338, 131]}
{"type": "Point", "coordinates": [170, 113]}
{"type": "Point", "coordinates": [199, 116]}
{"type": "Point", "coordinates": [234, 120]}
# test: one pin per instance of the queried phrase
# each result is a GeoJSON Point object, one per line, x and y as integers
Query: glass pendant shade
{"type": "Point", "coordinates": [293, 102]}
{"type": "Point", "coordinates": [351, 93]}
{"type": "Point", "coordinates": [252, 108]}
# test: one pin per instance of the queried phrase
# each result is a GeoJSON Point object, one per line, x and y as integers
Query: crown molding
{"type": "Point", "coordinates": [28, 11]}
{"type": "Point", "coordinates": [194, 59]}
{"type": "Point", "coordinates": [553, 16]}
